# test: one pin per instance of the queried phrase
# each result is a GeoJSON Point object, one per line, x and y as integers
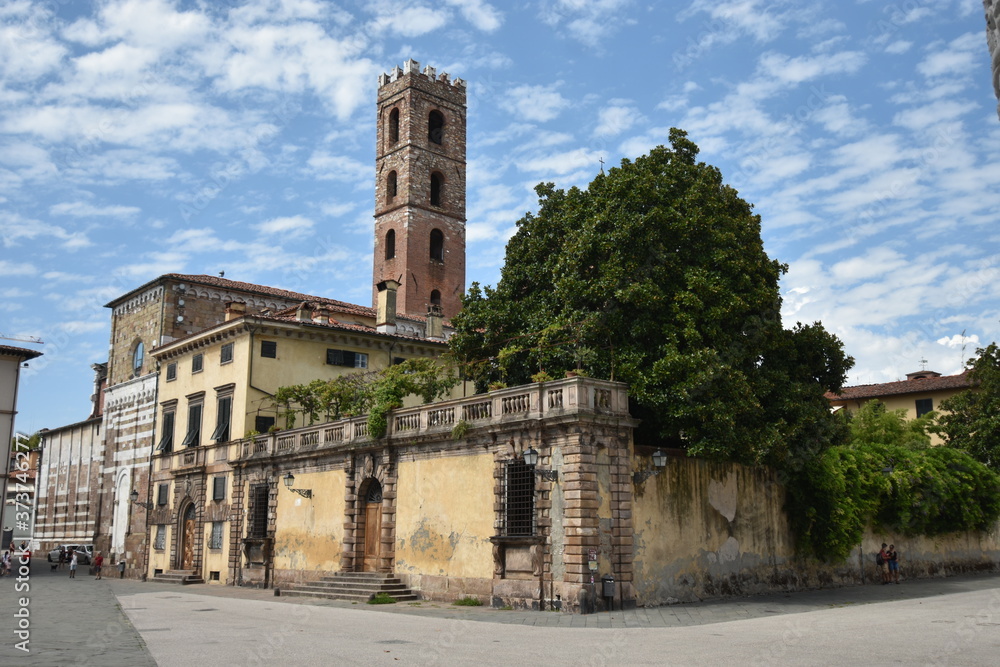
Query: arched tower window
{"type": "Point", "coordinates": [435, 298]}
{"type": "Point", "coordinates": [437, 245]}
{"type": "Point", "coordinates": [437, 186]}
{"type": "Point", "coordinates": [393, 126]}
{"type": "Point", "coordinates": [390, 244]}
{"type": "Point", "coordinates": [137, 358]}
{"type": "Point", "coordinates": [435, 127]}
{"type": "Point", "coordinates": [390, 186]}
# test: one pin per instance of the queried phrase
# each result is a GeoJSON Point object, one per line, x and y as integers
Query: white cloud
{"type": "Point", "coordinates": [410, 21]}
{"type": "Point", "coordinates": [84, 210]}
{"type": "Point", "coordinates": [535, 103]}
{"type": "Point", "coordinates": [898, 47]}
{"type": "Point", "coordinates": [16, 269]}
{"type": "Point", "coordinates": [288, 227]}
{"type": "Point", "coordinates": [561, 163]}
{"type": "Point", "coordinates": [959, 341]}
{"type": "Point", "coordinates": [330, 167]}
{"type": "Point", "coordinates": [616, 118]}
{"type": "Point", "coordinates": [481, 14]}
{"type": "Point", "coordinates": [958, 57]}
{"type": "Point", "coordinates": [588, 21]}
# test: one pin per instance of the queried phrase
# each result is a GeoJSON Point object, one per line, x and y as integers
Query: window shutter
{"type": "Point", "coordinates": [162, 492]}
{"type": "Point", "coordinates": [167, 439]}
{"type": "Point", "coordinates": [219, 488]}
{"type": "Point", "coordinates": [221, 432]}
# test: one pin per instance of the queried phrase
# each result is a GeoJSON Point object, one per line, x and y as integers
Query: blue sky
{"type": "Point", "coordinates": [142, 137]}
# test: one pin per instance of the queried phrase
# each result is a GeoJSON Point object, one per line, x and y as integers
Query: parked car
{"type": "Point", "coordinates": [84, 553]}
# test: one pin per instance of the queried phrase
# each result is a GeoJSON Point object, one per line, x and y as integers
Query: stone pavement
{"type": "Point", "coordinates": [81, 621]}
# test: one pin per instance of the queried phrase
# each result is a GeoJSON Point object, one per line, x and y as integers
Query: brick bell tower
{"type": "Point", "coordinates": [420, 189]}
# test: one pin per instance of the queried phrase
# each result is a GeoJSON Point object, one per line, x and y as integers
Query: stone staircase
{"type": "Point", "coordinates": [182, 577]}
{"type": "Point", "coordinates": [354, 586]}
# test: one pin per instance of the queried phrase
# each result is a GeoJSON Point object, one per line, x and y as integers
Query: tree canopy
{"type": "Point", "coordinates": [971, 419]}
{"type": "Point", "coordinates": [656, 275]}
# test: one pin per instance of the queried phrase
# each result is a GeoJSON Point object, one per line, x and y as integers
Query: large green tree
{"type": "Point", "coordinates": [971, 419]}
{"type": "Point", "coordinates": [656, 275]}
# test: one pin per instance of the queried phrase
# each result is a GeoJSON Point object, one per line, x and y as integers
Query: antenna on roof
{"type": "Point", "coordinates": [961, 361]}
{"type": "Point", "coordinates": [222, 274]}
{"type": "Point", "coordinates": [923, 364]}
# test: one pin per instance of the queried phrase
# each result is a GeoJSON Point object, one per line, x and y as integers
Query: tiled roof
{"type": "Point", "coordinates": [918, 386]}
{"type": "Point", "coordinates": [251, 288]}
{"type": "Point", "coordinates": [21, 352]}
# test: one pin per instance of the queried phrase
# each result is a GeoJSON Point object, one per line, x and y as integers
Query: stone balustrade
{"type": "Point", "coordinates": [570, 396]}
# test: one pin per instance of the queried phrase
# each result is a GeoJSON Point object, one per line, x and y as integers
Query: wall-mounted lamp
{"type": "Point", "coordinates": [659, 463]}
{"type": "Point", "coordinates": [134, 496]}
{"type": "Point", "coordinates": [290, 480]}
{"type": "Point", "coordinates": [530, 457]}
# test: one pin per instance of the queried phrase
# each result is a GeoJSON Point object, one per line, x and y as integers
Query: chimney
{"type": "Point", "coordinates": [303, 313]}
{"type": "Point", "coordinates": [385, 315]}
{"type": "Point", "coordinates": [435, 323]}
{"type": "Point", "coordinates": [235, 309]}
{"type": "Point", "coordinates": [321, 315]}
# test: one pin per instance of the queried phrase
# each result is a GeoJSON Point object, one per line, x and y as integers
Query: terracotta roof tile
{"type": "Point", "coordinates": [918, 386]}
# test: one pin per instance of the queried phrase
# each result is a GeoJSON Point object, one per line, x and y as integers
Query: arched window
{"type": "Point", "coordinates": [390, 244]}
{"type": "Point", "coordinates": [437, 245]}
{"type": "Point", "coordinates": [390, 186]}
{"type": "Point", "coordinates": [435, 298]}
{"type": "Point", "coordinates": [393, 126]}
{"type": "Point", "coordinates": [137, 358]}
{"type": "Point", "coordinates": [435, 127]}
{"type": "Point", "coordinates": [437, 185]}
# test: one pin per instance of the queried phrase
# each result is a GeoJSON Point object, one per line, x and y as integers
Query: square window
{"type": "Point", "coordinates": [263, 423]}
{"type": "Point", "coordinates": [215, 541]}
{"type": "Point", "coordinates": [196, 363]}
{"type": "Point", "coordinates": [924, 405]}
{"type": "Point", "coordinates": [219, 488]}
{"type": "Point", "coordinates": [160, 543]}
{"type": "Point", "coordinates": [269, 349]}
{"type": "Point", "coordinates": [227, 353]}
{"type": "Point", "coordinates": [360, 360]}
{"type": "Point", "coordinates": [162, 494]}
{"type": "Point", "coordinates": [171, 371]}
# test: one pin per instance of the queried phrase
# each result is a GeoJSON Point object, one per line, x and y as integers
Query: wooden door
{"type": "Point", "coordinates": [187, 549]}
{"type": "Point", "coordinates": [373, 527]}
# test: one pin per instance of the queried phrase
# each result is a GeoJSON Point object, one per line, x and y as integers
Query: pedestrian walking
{"type": "Point", "coordinates": [5, 563]}
{"type": "Point", "coordinates": [98, 563]}
{"type": "Point", "coordinates": [121, 569]}
{"type": "Point", "coordinates": [72, 564]}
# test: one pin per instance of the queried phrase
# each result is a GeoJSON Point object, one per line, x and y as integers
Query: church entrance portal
{"type": "Point", "coordinates": [188, 532]}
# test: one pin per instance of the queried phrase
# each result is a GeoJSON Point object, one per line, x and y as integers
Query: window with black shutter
{"type": "Point", "coordinates": [197, 361]}
{"type": "Point", "coordinates": [171, 371]}
{"type": "Point", "coordinates": [167, 438]}
{"type": "Point", "coordinates": [924, 405]}
{"type": "Point", "coordinates": [225, 409]}
{"type": "Point", "coordinates": [269, 349]}
{"type": "Point", "coordinates": [193, 436]}
{"type": "Point", "coordinates": [162, 494]}
{"type": "Point", "coordinates": [227, 353]}
{"type": "Point", "coordinates": [219, 488]}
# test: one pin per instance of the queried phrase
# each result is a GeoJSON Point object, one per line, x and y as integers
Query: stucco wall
{"type": "Point", "coordinates": [444, 519]}
{"type": "Point", "coordinates": [706, 529]}
{"type": "Point", "coordinates": [310, 531]}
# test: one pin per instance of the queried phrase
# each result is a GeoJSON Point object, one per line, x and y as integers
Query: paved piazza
{"type": "Point", "coordinates": [947, 621]}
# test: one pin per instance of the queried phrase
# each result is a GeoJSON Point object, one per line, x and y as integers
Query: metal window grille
{"type": "Point", "coordinates": [215, 541]}
{"type": "Point", "coordinates": [258, 510]}
{"type": "Point", "coordinates": [518, 513]}
{"type": "Point", "coordinates": [161, 538]}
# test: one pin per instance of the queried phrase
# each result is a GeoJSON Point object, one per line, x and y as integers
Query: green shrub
{"type": "Point", "coordinates": [468, 601]}
{"type": "Point", "coordinates": [382, 598]}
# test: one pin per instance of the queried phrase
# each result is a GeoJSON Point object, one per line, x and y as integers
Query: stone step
{"type": "Point", "coordinates": [354, 586]}
{"type": "Point", "coordinates": [182, 577]}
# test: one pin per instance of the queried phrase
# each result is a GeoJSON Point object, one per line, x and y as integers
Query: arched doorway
{"type": "Point", "coordinates": [188, 531]}
{"type": "Point", "coordinates": [372, 513]}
